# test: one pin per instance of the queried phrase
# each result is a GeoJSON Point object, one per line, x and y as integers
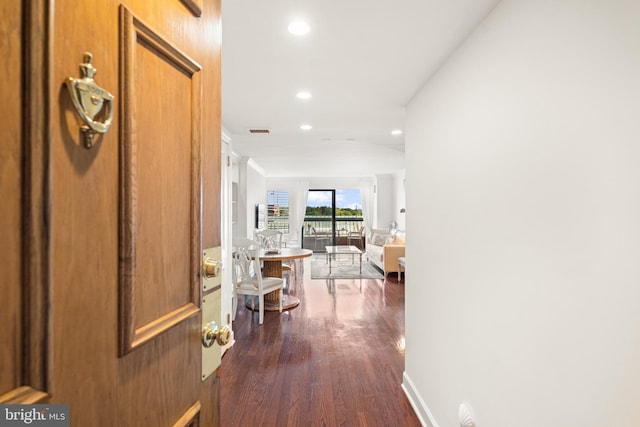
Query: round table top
{"type": "Point", "coordinates": [285, 254]}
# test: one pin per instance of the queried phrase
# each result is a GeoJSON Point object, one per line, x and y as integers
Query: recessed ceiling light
{"type": "Point", "coordinates": [303, 95]}
{"type": "Point", "coordinates": [306, 127]}
{"type": "Point", "coordinates": [396, 132]}
{"type": "Point", "coordinates": [299, 28]}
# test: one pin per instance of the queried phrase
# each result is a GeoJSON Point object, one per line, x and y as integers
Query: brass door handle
{"type": "Point", "coordinates": [212, 334]}
{"type": "Point", "coordinates": [89, 99]}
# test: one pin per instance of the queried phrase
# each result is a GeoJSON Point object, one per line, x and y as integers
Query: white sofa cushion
{"type": "Point", "coordinates": [374, 254]}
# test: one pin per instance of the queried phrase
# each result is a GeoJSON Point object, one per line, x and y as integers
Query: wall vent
{"type": "Point", "coordinates": [259, 130]}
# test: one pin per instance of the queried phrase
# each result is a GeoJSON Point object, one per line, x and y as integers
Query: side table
{"type": "Point", "coordinates": [402, 267]}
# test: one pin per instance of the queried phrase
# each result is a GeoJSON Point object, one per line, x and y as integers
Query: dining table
{"type": "Point", "coordinates": [272, 267]}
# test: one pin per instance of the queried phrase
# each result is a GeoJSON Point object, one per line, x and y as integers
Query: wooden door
{"type": "Point", "coordinates": [102, 246]}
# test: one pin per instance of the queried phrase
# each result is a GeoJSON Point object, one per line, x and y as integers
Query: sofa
{"type": "Point", "coordinates": [384, 247]}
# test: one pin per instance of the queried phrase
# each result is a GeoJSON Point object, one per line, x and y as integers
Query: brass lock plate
{"type": "Point", "coordinates": [214, 333]}
{"type": "Point", "coordinates": [211, 268]}
{"type": "Point", "coordinates": [212, 355]}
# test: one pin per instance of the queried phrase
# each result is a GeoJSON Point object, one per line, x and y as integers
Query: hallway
{"type": "Point", "coordinates": [337, 359]}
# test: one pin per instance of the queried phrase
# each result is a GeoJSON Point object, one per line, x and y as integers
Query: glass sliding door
{"type": "Point", "coordinates": [332, 217]}
{"type": "Point", "coordinates": [318, 221]}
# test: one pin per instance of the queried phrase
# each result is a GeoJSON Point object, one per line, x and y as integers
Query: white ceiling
{"type": "Point", "coordinates": [362, 61]}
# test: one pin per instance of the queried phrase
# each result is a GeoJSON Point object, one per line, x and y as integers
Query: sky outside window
{"type": "Point", "coordinates": [344, 199]}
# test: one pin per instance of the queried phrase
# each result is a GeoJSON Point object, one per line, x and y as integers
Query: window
{"type": "Point", "coordinates": [278, 210]}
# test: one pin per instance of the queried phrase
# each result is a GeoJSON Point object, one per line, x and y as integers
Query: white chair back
{"type": "Point", "coordinates": [246, 264]}
{"type": "Point", "coordinates": [269, 239]}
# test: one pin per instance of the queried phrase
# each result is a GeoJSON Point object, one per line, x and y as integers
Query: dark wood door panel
{"type": "Point", "coordinates": [24, 344]}
{"type": "Point", "coordinates": [160, 183]}
{"type": "Point", "coordinates": [10, 189]}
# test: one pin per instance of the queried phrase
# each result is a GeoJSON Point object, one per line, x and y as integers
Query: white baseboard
{"type": "Point", "coordinates": [422, 411]}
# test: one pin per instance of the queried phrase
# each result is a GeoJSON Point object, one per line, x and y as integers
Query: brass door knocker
{"type": "Point", "coordinates": [89, 99]}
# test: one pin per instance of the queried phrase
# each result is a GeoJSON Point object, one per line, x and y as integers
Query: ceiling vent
{"type": "Point", "coordinates": [259, 130]}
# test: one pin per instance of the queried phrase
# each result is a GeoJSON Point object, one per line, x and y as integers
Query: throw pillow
{"type": "Point", "coordinates": [378, 239]}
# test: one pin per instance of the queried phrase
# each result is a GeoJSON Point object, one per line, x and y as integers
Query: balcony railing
{"type": "Point", "coordinates": [331, 234]}
{"type": "Point", "coordinates": [278, 223]}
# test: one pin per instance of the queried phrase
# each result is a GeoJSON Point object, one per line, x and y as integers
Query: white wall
{"type": "Point", "coordinates": [524, 215]}
{"type": "Point", "coordinates": [251, 191]}
{"type": "Point", "coordinates": [386, 201]}
{"type": "Point", "coordinates": [390, 198]}
{"type": "Point", "coordinates": [400, 199]}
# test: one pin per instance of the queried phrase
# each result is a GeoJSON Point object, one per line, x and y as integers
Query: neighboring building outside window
{"type": "Point", "coordinates": [278, 210]}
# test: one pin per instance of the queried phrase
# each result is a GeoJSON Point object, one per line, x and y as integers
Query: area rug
{"type": "Point", "coordinates": [342, 268]}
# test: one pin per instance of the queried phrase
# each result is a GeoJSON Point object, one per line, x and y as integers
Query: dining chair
{"type": "Point", "coordinates": [271, 239]}
{"type": "Point", "coordinates": [247, 276]}
{"type": "Point", "coordinates": [268, 238]}
{"type": "Point", "coordinates": [357, 236]}
{"type": "Point", "coordinates": [322, 239]}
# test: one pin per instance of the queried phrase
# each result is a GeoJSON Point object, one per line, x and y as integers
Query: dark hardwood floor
{"type": "Point", "coordinates": [335, 360]}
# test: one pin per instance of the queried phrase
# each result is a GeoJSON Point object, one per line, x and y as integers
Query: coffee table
{"type": "Point", "coordinates": [343, 250]}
